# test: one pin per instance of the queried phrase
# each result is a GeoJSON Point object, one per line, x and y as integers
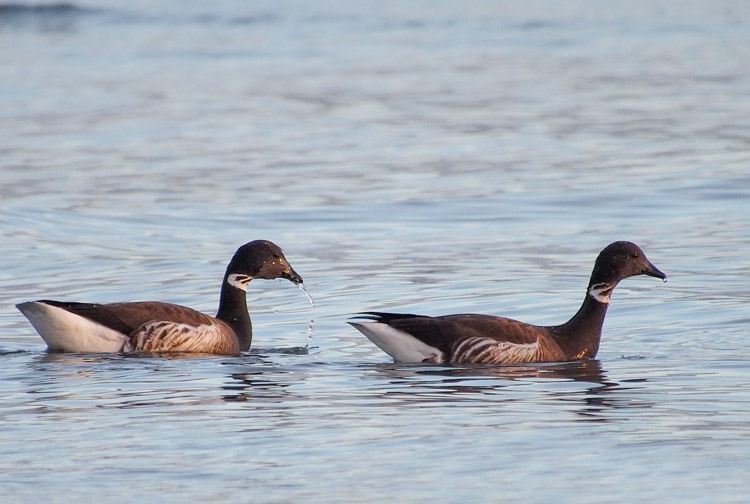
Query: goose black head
{"type": "Point", "coordinates": [259, 259]}
{"type": "Point", "coordinates": [620, 260]}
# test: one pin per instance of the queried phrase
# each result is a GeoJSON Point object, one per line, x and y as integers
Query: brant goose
{"type": "Point", "coordinates": [484, 339]}
{"type": "Point", "coordinates": [162, 327]}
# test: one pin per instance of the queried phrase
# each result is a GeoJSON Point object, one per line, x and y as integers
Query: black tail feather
{"type": "Point", "coordinates": [384, 317]}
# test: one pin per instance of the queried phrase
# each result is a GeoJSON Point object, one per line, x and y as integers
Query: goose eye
{"type": "Point", "coordinates": [634, 255]}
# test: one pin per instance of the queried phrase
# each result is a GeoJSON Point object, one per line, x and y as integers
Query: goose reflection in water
{"type": "Point", "coordinates": [429, 383]}
{"type": "Point", "coordinates": [255, 386]}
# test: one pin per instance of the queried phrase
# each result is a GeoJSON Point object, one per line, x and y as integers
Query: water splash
{"type": "Point", "coordinates": [310, 332]}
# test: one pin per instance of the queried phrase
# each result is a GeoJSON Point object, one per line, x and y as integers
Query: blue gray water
{"type": "Point", "coordinates": [430, 157]}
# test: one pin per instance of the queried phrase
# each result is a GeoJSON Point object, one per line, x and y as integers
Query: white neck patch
{"type": "Point", "coordinates": [601, 292]}
{"type": "Point", "coordinates": [239, 281]}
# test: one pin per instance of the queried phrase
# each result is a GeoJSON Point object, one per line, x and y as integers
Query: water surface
{"type": "Point", "coordinates": [424, 157]}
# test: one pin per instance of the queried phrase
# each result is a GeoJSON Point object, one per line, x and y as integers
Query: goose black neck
{"type": "Point", "coordinates": [233, 311]}
{"type": "Point", "coordinates": [579, 337]}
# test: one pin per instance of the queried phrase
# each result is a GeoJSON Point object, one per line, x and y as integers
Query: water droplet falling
{"type": "Point", "coordinates": [309, 297]}
{"type": "Point", "coordinates": [310, 332]}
